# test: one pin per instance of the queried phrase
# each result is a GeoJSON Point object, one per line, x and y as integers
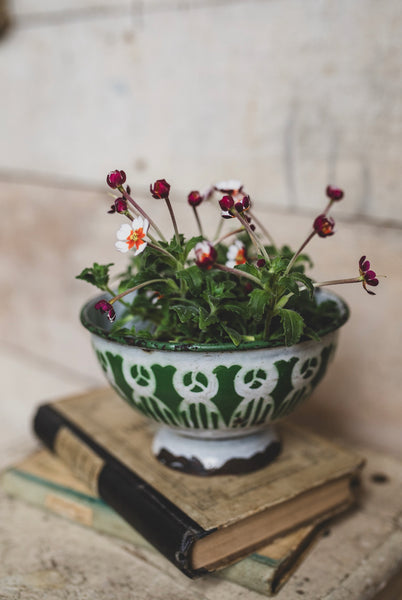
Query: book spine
{"type": "Point", "coordinates": [158, 520]}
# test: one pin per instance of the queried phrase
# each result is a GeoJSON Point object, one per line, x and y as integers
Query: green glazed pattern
{"type": "Point", "coordinates": [213, 389]}
{"type": "Point", "coordinates": [213, 396]}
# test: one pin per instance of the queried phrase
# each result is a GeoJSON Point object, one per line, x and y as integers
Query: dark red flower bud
{"type": "Point", "coordinates": [324, 226]}
{"type": "Point", "coordinates": [246, 202]}
{"type": "Point", "coordinates": [160, 189]}
{"type": "Point", "coordinates": [334, 193]}
{"type": "Point", "coordinates": [260, 262]}
{"type": "Point", "coordinates": [205, 255]}
{"type": "Point", "coordinates": [195, 198]}
{"type": "Point", "coordinates": [239, 207]}
{"type": "Point", "coordinates": [226, 203]}
{"type": "Point", "coordinates": [248, 287]}
{"type": "Point", "coordinates": [119, 206]}
{"type": "Point", "coordinates": [105, 307]}
{"type": "Point", "coordinates": [115, 178]}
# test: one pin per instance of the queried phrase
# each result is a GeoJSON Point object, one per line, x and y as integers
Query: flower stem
{"type": "Point", "coordinates": [267, 325]}
{"type": "Point", "coordinates": [296, 254]}
{"type": "Point", "coordinates": [133, 289]}
{"type": "Point", "coordinates": [160, 249]}
{"type": "Point", "coordinates": [111, 292]}
{"type": "Point", "coordinates": [142, 212]}
{"type": "Point", "coordinates": [330, 203]}
{"type": "Point", "coordinates": [219, 229]}
{"type": "Point", "coordinates": [259, 247]}
{"type": "Point", "coordinates": [172, 216]}
{"type": "Point", "coordinates": [264, 230]}
{"type": "Point", "coordinates": [339, 281]}
{"type": "Point", "coordinates": [197, 218]}
{"type": "Point", "coordinates": [238, 273]}
{"type": "Point", "coordinates": [223, 237]}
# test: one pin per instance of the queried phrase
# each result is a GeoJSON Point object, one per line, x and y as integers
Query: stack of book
{"type": "Point", "coordinates": [252, 529]}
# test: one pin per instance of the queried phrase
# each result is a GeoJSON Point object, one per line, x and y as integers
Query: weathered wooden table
{"type": "Point", "coordinates": [358, 557]}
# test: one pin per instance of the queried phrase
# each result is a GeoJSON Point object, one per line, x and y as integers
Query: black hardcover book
{"type": "Point", "coordinates": [199, 525]}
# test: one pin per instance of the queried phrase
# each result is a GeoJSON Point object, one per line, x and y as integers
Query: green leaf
{"type": "Point", "coordinates": [97, 275]}
{"type": "Point", "coordinates": [234, 335]}
{"type": "Point", "coordinates": [311, 334]}
{"type": "Point", "coordinates": [193, 278]}
{"type": "Point", "coordinates": [185, 312]}
{"type": "Point", "coordinates": [232, 308]}
{"type": "Point", "coordinates": [304, 280]}
{"type": "Point", "coordinates": [250, 269]}
{"type": "Point", "coordinates": [293, 325]}
{"type": "Point", "coordinates": [206, 319]}
{"type": "Point", "coordinates": [288, 283]}
{"type": "Point", "coordinates": [282, 301]}
{"type": "Point", "coordinates": [258, 301]}
{"type": "Point", "coordinates": [278, 264]}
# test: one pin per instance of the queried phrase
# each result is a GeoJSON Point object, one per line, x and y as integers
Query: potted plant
{"type": "Point", "coordinates": [214, 338]}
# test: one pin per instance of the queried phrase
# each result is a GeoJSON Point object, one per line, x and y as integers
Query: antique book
{"type": "Point", "coordinates": [198, 524]}
{"type": "Point", "coordinates": [44, 481]}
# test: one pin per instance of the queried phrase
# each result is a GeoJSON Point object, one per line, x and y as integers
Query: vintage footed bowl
{"type": "Point", "coordinates": [215, 404]}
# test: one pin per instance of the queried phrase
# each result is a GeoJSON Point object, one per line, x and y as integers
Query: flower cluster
{"type": "Point", "coordinates": [237, 285]}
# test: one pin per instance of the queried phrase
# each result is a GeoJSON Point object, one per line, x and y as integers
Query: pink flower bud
{"type": "Point", "coordinates": [205, 255]}
{"type": "Point", "coordinates": [105, 307]}
{"type": "Point", "coordinates": [334, 193]}
{"type": "Point", "coordinates": [115, 179]}
{"type": "Point", "coordinates": [324, 226]}
{"type": "Point", "coordinates": [195, 198]}
{"type": "Point", "coordinates": [160, 189]}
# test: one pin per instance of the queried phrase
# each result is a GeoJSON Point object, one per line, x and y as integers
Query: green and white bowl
{"type": "Point", "coordinates": [215, 403]}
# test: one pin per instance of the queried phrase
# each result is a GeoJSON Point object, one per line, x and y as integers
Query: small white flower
{"type": "Point", "coordinates": [205, 254]}
{"type": "Point", "coordinates": [232, 186]}
{"type": "Point", "coordinates": [132, 236]}
{"type": "Point", "coordinates": [236, 254]}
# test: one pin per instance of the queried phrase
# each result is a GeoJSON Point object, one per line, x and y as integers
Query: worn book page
{"type": "Point", "coordinates": [306, 461]}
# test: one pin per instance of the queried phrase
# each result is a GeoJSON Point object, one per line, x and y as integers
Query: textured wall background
{"type": "Point", "coordinates": [285, 95]}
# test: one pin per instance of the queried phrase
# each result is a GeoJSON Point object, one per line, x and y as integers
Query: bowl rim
{"type": "Point", "coordinates": [148, 344]}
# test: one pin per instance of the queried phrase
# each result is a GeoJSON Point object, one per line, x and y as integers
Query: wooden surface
{"type": "Point", "coordinates": [44, 557]}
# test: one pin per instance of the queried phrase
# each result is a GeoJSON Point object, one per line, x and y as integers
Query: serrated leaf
{"type": "Point", "coordinates": [293, 325]}
{"type": "Point", "coordinates": [97, 275]}
{"type": "Point", "coordinates": [306, 281]}
{"type": "Point", "coordinates": [250, 269]}
{"type": "Point", "coordinates": [233, 308]}
{"type": "Point", "coordinates": [193, 278]}
{"type": "Point", "coordinates": [185, 312]}
{"type": "Point", "coordinates": [257, 303]}
{"type": "Point", "coordinates": [206, 319]}
{"type": "Point", "coordinates": [288, 283]}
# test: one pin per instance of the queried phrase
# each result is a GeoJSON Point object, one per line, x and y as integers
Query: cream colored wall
{"type": "Point", "coordinates": [285, 95]}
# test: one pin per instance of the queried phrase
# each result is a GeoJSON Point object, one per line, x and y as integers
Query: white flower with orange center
{"type": "Point", "coordinates": [232, 186]}
{"type": "Point", "coordinates": [236, 254]}
{"type": "Point", "coordinates": [132, 236]}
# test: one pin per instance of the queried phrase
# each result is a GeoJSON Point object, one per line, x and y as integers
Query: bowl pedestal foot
{"type": "Point", "coordinates": [208, 456]}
